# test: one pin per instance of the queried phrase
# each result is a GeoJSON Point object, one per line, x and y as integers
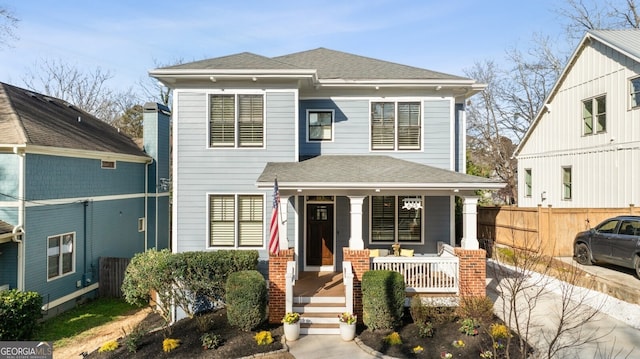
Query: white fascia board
{"type": "Point", "coordinates": [70, 152]}
{"type": "Point", "coordinates": [171, 75]}
{"type": "Point", "coordinates": [386, 186]}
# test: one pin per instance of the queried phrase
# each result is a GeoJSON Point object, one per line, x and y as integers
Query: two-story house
{"type": "Point", "coordinates": [580, 151]}
{"type": "Point", "coordinates": [74, 189]}
{"type": "Point", "coordinates": [366, 153]}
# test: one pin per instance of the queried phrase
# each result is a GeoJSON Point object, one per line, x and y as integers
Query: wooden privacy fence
{"type": "Point", "coordinates": [544, 230]}
{"type": "Point", "coordinates": [111, 276]}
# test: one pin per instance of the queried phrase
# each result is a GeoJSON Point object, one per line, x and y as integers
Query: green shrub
{"type": "Point", "coordinates": [478, 308]}
{"type": "Point", "coordinates": [246, 299]}
{"type": "Point", "coordinates": [132, 339]}
{"type": "Point", "coordinates": [20, 312]}
{"type": "Point", "coordinates": [418, 310]}
{"type": "Point", "coordinates": [211, 341]}
{"type": "Point", "coordinates": [383, 295]}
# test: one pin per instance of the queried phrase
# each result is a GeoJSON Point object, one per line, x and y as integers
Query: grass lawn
{"type": "Point", "coordinates": [62, 328]}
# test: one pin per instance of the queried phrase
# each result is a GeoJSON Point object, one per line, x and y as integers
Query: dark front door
{"type": "Point", "coordinates": [319, 249]}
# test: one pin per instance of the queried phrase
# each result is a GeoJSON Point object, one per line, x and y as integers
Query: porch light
{"type": "Point", "coordinates": [412, 203]}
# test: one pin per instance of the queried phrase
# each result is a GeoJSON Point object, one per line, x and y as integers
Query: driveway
{"type": "Point", "coordinates": [612, 332]}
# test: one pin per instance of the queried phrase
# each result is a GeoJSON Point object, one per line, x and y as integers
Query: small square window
{"type": "Point", "coordinates": [141, 224]}
{"type": "Point", "coordinates": [320, 125]}
{"type": "Point", "coordinates": [109, 165]}
{"type": "Point", "coordinates": [634, 92]}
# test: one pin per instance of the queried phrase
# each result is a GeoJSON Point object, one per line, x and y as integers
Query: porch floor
{"type": "Point", "coordinates": [319, 284]}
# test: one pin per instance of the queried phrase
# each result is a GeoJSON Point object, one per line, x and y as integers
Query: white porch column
{"type": "Point", "coordinates": [282, 223]}
{"type": "Point", "coordinates": [470, 223]}
{"type": "Point", "coordinates": [355, 240]}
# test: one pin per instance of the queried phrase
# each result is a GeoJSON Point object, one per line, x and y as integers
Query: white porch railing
{"type": "Point", "coordinates": [290, 276]}
{"type": "Point", "coordinates": [347, 278]}
{"type": "Point", "coordinates": [424, 274]}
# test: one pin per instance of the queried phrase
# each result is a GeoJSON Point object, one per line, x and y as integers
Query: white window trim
{"type": "Point", "coordinates": [562, 170]}
{"type": "Point", "coordinates": [265, 219]}
{"type": "Point", "coordinates": [630, 94]}
{"type": "Point", "coordinates": [410, 243]}
{"type": "Point", "coordinates": [530, 194]}
{"type": "Point", "coordinates": [73, 257]}
{"type": "Point", "coordinates": [236, 93]}
{"type": "Point", "coordinates": [421, 101]}
{"type": "Point", "coordinates": [102, 164]}
{"type": "Point", "coordinates": [594, 116]}
{"type": "Point", "coordinates": [333, 121]}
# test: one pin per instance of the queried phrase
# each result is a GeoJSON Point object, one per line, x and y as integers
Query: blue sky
{"type": "Point", "coordinates": [130, 37]}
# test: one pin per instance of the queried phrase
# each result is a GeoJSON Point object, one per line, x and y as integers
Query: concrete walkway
{"type": "Point", "coordinates": [326, 346]}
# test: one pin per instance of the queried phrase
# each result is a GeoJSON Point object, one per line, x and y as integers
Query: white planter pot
{"type": "Point", "coordinates": [347, 331]}
{"type": "Point", "coordinates": [292, 331]}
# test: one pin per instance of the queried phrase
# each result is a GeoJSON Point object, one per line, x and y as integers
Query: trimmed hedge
{"type": "Point", "coordinates": [383, 295]}
{"type": "Point", "coordinates": [20, 312]}
{"type": "Point", "coordinates": [246, 299]}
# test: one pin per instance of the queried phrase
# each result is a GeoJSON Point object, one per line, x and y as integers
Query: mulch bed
{"type": "Point", "coordinates": [441, 342]}
{"type": "Point", "coordinates": [236, 343]}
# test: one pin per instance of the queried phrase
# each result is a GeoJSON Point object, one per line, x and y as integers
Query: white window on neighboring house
{"type": "Point", "coordinates": [634, 92]}
{"type": "Point", "coordinates": [566, 183]}
{"type": "Point", "coordinates": [527, 182]}
{"type": "Point", "coordinates": [594, 115]}
{"type": "Point", "coordinates": [390, 221]}
{"type": "Point", "coordinates": [396, 126]}
{"type": "Point", "coordinates": [60, 255]}
{"type": "Point", "coordinates": [141, 224]}
{"type": "Point", "coordinates": [320, 124]}
{"type": "Point", "coordinates": [236, 120]}
{"type": "Point", "coordinates": [236, 221]}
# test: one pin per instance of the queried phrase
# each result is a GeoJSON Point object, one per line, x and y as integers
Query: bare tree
{"type": "Point", "coordinates": [8, 22]}
{"type": "Point", "coordinates": [156, 91]}
{"type": "Point", "coordinates": [596, 15]}
{"type": "Point", "coordinates": [87, 90]}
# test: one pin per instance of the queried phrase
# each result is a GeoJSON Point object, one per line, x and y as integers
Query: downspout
{"type": "Point", "coordinates": [21, 215]}
{"type": "Point", "coordinates": [85, 279]}
{"type": "Point", "coordinates": [146, 202]}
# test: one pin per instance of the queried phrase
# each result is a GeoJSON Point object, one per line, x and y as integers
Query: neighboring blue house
{"type": "Point", "coordinates": [74, 189]}
{"type": "Point", "coordinates": [366, 153]}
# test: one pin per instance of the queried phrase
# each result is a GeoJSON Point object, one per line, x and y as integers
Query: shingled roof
{"type": "Point", "coordinates": [366, 170]}
{"type": "Point", "coordinates": [30, 118]}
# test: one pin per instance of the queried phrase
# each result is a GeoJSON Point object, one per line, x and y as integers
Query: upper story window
{"type": "Point", "coordinates": [594, 113]}
{"type": "Point", "coordinates": [236, 221]}
{"type": "Point", "coordinates": [320, 125]}
{"type": "Point", "coordinates": [527, 182]}
{"type": "Point", "coordinates": [60, 254]}
{"type": "Point", "coordinates": [395, 126]}
{"type": "Point", "coordinates": [634, 91]}
{"type": "Point", "coordinates": [566, 183]}
{"type": "Point", "coordinates": [236, 120]}
{"type": "Point", "coordinates": [390, 221]}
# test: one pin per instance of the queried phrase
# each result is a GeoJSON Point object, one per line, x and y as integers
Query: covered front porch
{"type": "Point", "coordinates": [345, 214]}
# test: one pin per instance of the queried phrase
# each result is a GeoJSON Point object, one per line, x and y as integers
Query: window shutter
{"type": "Point", "coordinates": [409, 125]}
{"type": "Point", "coordinates": [222, 121]}
{"type": "Point", "coordinates": [250, 120]}
{"type": "Point", "coordinates": [250, 221]}
{"type": "Point", "coordinates": [222, 218]}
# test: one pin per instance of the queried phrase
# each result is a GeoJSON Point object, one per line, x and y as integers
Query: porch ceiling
{"type": "Point", "coordinates": [367, 172]}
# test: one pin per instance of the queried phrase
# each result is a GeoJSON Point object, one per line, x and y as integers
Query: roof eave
{"type": "Point", "coordinates": [283, 185]}
{"type": "Point", "coordinates": [170, 76]}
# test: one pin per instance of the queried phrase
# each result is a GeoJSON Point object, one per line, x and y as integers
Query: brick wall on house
{"type": "Point", "coordinates": [360, 263]}
{"type": "Point", "coordinates": [473, 272]}
{"type": "Point", "coordinates": [277, 283]}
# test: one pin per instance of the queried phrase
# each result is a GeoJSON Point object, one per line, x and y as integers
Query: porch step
{"type": "Point", "coordinates": [319, 315]}
{"type": "Point", "coordinates": [322, 329]}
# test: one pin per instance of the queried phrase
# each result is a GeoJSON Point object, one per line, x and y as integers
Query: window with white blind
{"type": "Point", "coordinates": [236, 221]}
{"type": "Point", "coordinates": [395, 126]}
{"type": "Point", "coordinates": [390, 221]}
{"type": "Point", "coordinates": [60, 253]}
{"type": "Point", "coordinates": [236, 120]}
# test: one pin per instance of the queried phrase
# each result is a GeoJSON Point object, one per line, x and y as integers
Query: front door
{"type": "Point", "coordinates": [319, 248]}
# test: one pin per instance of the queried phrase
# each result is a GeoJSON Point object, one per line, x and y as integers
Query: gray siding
{"type": "Point", "coordinates": [54, 177]}
{"type": "Point", "coordinates": [8, 176]}
{"type": "Point", "coordinates": [351, 131]}
{"type": "Point", "coordinates": [9, 264]}
{"type": "Point", "coordinates": [200, 170]}
{"type": "Point", "coordinates": [103, 229]}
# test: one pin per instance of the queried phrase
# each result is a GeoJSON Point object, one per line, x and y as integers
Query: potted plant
{"type": "Point", "coordinates": [347, 325]}
{"type": "Point", "coordinates": [291, 323]}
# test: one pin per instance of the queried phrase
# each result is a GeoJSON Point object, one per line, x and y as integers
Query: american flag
{"type": "Point", "coordinates": [274, 239]}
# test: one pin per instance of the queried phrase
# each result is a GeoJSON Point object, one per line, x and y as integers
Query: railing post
{"type": "Point", "coordinates": [290, 281]}
{"type": "Point", "coordinates": [347, 277]}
